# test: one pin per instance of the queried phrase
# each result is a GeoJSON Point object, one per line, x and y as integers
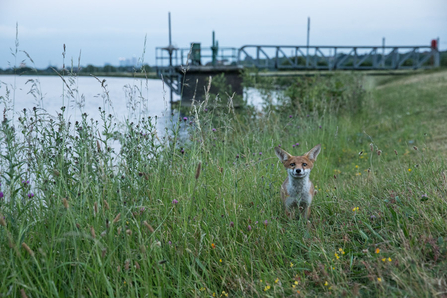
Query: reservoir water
{"type": "Point", "coordinates": [122, 97]}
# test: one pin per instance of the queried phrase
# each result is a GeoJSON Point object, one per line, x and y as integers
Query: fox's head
{"type": "Point", "coordinates": [298, 167]}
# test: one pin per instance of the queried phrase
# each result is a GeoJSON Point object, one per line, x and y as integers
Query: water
{"type": "Point", "coordinates": [122, 97]}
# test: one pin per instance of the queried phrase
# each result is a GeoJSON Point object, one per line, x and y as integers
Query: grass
{"type": "Point", "coordinates": [197, 213]}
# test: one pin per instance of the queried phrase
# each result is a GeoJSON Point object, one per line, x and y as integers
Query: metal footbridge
{"type": "Point", "coordinates": [172, 63]}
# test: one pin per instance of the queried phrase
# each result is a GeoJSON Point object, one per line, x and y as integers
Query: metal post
{"type": "Point", "coordinates": [170, 54]}
{"type": "Point", "coordinates": [383, 52]}
{"type": "Point", "coordinates": [437, 54]}
{"type": "Point", "coordinates": [308, 33]}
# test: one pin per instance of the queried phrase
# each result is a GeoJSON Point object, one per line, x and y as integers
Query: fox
{"type": "Point", "coordinates": [297, 191]}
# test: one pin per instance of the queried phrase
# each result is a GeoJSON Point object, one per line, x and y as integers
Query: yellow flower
{"type": "Point", "coordinates": [379, 279]}
{"type": "Point", "coordinates": [266, 288]}
{"type": "Point", "coordinates": [291, 264]}
{"type": "Point", "coordinates": [377, 250]}
{"type": "Point", "coordinates": [389, 260]}
{"type": "Point", "coordinates": [340, 249]}
{"type": "Point", "coordinates": [260, 280]}
{"type": "Point", "coordinates": [220, 260]}
{"type": "Point", "coordinates": [213, 245]}
{"type": "Point", "coordinates": [384, 259]}
{"type": "Point", "coordinates": [326, 283]}
{"type": "Point", "coordinates": [356, 167]}
{"type": "Point", "coordinates": [409, 170]}
{"type": "Point", "coordinates": [276, 280]}
{"type": "Point", "coordinates": [293, 286]}
{"type": "Point", "coordinates": [336, 255]}
{"type": "Point", "coordinates": [202, 289]}
{"type": "Point", "coordinates": [224, 294]}
{"type": "Point", "coordinates": [214, 294]}
{"type": "Point", "coordinates": [355, 209]}
{"type": "Point", "coordinates": [358, 174]}
{"type": "Point", "coordinates": [295, 282]}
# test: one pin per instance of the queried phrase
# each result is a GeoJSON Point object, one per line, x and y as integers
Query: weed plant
{"type": "Point", "coordinates": [201, 216]}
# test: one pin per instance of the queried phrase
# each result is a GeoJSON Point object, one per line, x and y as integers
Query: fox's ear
{"type": "Point", "coordinates": [313, 153]}
{"type": "Point", "coordinates": [282, 155]}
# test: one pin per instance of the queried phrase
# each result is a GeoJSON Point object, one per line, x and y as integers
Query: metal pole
{"type": "Point", "coordinates": [308, 33]}
{"type": "Point", "coordinates": [437, 55]}
{"type": "Point", "coordinates": [383, 51]}
{"type": "Point", "coordinates": [170, 54]}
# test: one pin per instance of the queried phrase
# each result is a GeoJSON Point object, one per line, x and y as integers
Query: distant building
{"type": "Point", "coordinates": [126, 62]}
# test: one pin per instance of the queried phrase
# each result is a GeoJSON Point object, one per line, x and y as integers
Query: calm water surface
{"type": "Point", "coordinates": [122, 97]}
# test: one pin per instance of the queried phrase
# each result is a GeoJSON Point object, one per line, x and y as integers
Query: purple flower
{"type": "Point", "coordinates": [30, 195]}
{"type": "Point", "coordinates": [170, 243]}
{"type": "Point", "coordinates": [249, 228]}
{"type": "Point", "coordinates": [1, 194]}
{"type": "Point", "coordinates": [266, 222]}
{"type": "Point", "coordinates": [190, 122]}
{"type": "Point", "coordinates": [182, 151]}
{"type": "Point", "coordinates": [237, 156]}
{"type": "Point", "coordinates": [260, 153]}
{"type": "Point", "coordinates": [213, 129]}
{"type": "Point", "coordinates": [185, 118]}
{"type": "Point", "coordinates": [256, 222]}
{"type": "Point", "coordinates": [174, 201]}
{"type": "Point", "coordinates": [320, 126]}
{"type": "Point", "coordinates": [25, 182]}
{"type": "Point", "coordinates": [279, 145]}
{"type": "Point", "coordinates": [424, 195]}
{"type": "Point", "coordinates": [297, 144]}
{"type": "Point", "coordinates": [290, 116]}
{"type": "Point", "coordinates": [231, 224]}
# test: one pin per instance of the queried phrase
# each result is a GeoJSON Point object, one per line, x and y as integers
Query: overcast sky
{"type": "Point", "coordinates": [104, 30]}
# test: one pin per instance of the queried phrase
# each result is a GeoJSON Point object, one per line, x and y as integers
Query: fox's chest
{"type": "Point", "coordinates": [298, 192]}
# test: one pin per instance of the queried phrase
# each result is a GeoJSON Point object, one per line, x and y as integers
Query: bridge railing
{"type": "Point", "coordinates": [337, 57]}
{"type": "Point", "coordinates": [184, 56]}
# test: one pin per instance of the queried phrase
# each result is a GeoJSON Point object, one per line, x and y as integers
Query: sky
{"type": "Point", "coordinates": [101, 31]}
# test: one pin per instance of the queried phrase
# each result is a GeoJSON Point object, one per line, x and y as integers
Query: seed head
{"type": "Point", "coordinates": [148, 226]}
{"type": "Point", "coordinates": [117, 218]}
{"type": "Point", "coordinates": [26, 247]}
{"type": "Point", "coordinates": [65, 202]}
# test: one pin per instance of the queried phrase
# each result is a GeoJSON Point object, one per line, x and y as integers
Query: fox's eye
{"type": "Point", "coordinates": [304, 164]}
{"type": "Point", "coordinates": [292, 164]}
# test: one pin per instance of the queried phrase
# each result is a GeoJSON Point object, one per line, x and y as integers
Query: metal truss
{"type": "Point", "coordinates": [333, 57]}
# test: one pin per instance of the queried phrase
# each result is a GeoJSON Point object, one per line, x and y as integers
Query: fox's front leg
{"type": "Point", "coordinates": [304, 210]}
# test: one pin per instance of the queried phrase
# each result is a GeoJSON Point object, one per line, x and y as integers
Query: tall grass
{"type": "Point", "coordinates": [201, 215]}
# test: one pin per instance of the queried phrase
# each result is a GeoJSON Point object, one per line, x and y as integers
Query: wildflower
{"type": "Point", "coordinates": [182, 151]}
{"type": "Point", "coordinates": [337, 256]}
{"type": "Point", "coordinates": [389, 260]}
{"type": "Point", "coordinates": [355, 209]}
{"type": "Point", "coordinates": [326, 283]}
{"type": "Point", "coordinates": [249, 228]}
{"type": "Point", "coordinates": [185, 118]}
{"type": "Point", "coordinates": [379, 279]}
{"type": "Point", "coordinates": [25, 182]}
{"type": "Point", "coordinates": [377, 250]}
{"type": "Point", "coordinates": [202, 289]}
{"type": "Point", "coordinates": [384, 259]}
{"type": "Point", "coordinates": [220, 260]}
{"type": "Point", "coordinates": [409, 170]}
{"type": "Point", "coordinates": [1, 194]}
{"type": "Point", "coordinates": [290, 116]}
{"type": "Point", "coordinates": [30, 195]}
{"type": "Point", "coordinates": [266, 222]}
{"type": "Point", "coordinates": [213, 129]}
{"type": "Point", "coordinates": [395, 151]}
{"type": "Point", "coordinates": [276, 280]}
{"type": "Point", "coordinates": [174, 201]}
{"type": "Point", "coordinates": [358, 174]}
{"type": "Point", "coordinates": [297, 144]}
{"type": "Point", "coordinates": [224, 294]}
{"type": "Point", "coordinates": [319, 126]}
{"type": "Point", "coordinates": [356, 166]}
{"type": "Point", "coordinates": [214, 294]}
{"type": "Point", "coordinates": [291, 264]}
{"type": "Point", "coordinates": [213, 245]}
{"type": "Point", "coordinates": [266, 288]}
{"type": "Point", "coordinates": [231, 224]}
{"type": "Point", "coordinates": [237, 156]}
{"type": "Point", "coordinates": [295, 282]}
{"type": "Point", "coordinates": [260, 153]}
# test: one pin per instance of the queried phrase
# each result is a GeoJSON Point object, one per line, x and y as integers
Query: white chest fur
{"type": "Point", "coordinates": [299, 192]}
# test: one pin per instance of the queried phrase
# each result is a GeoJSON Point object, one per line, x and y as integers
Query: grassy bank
{"type": "Point", "coordinates": [201, 215]}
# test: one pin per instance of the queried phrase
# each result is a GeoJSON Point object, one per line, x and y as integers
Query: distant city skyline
{"type": "Point", "coordinates": [101, 32]}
